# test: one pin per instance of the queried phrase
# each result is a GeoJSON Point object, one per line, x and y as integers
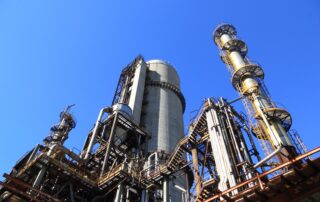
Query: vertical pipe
{"type": "Point", "coordinates": [224, 163]}
{"type": "Point", "coordinates": [197, 178]}
{"type": "Point", "coordinates": [165, 191]}
{"type": "Point", "coordinates": [144, 196]}
{"type": "Point", "coordinates": [119, 194]}
{"type": "Point", "coordinates": [128, 194]}
{"type": "Point", "coordinates": [233, 136]}
{"type": "Point", "coordinates": [106, 157]}
{"type": "Point", "coordinates": [39, 177]}
{"type": "Point", "coordinates": [187, 189]}
{"type": "Point", "coordinates": [95, 132]}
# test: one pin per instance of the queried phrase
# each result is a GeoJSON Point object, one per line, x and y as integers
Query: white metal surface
{"type": "Point", "coordinates": [163, 111]}
{"type": "Point", "coordinates": [220, 152]}
{"type": "Point", "coordinates": [137, 91]}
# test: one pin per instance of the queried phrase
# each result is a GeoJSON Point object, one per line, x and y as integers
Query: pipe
{"type": "Point", "coordinates": [106, 156]}
{"type": "Point", "coordinates": [267, 158]}
{"type": "Point", "coordinates": [165, 191]}
{"type": "Point", "coordinates": [119, 194]}
{"type": "Point", "coordinates": [233, 136]}
{"type": "Point", "coordinates": [197, 178]}
{"type": "Point", "coordinates": [274, 138]}
{"type": "Point", "coordinates": [235, 100]}
{"type": "Point", "coordinates": [144, 196]}
{"type": "Point", "coordinates": [34, 152]}
{"type": "Point", "coordinates": [188, 189]}
{"type": "Point", "coordinates": [39, 178]}
{"type": "Point", "coordinates": [180, 188]}
{"type": "Point", "coordinates": [95, 131]}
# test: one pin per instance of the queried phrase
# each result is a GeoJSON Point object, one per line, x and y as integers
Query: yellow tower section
{"type": "Point", "coordinates": [271, 122]}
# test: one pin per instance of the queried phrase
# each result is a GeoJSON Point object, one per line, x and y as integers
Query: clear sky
{"type": "Point", "coordinates": [57, 52]}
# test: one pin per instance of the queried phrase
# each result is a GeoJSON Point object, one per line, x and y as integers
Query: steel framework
{"type": "Point", "coordinates": [218, 155]}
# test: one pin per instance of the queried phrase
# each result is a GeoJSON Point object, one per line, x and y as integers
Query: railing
{"type": "Point", "coordinates": [258, 177]}
{"type": "Point", "coordinates": [37, 194]}
{"type": "Point", "coordinates": [296, 139]}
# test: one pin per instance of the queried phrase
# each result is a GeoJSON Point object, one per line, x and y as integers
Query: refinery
{"type": "Point", "coordinates": [138, 149]}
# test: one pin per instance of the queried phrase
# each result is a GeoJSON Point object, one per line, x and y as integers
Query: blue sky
{"type": "Point", "coordinates": [57, 52]}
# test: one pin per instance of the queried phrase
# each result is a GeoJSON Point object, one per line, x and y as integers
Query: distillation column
{"type": "Point", "coordinates": [162, 116]}
{"type": "Point", "coordinates": [247, 79]}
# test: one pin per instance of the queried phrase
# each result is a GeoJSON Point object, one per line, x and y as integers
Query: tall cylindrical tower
{"type": "Point", "coordinates": [247, 78]}
{"type": "Point", "coordinates": [163, 109]}
{"type": "Point", "coordinates": [152, 90]}
{"type": "Point", "coordinates": [162, 115]}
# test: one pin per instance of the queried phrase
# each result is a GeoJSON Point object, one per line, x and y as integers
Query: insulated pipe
{"type": "Point", "coordinates": [180, 188]}
{"type": "Point", "coordinates": [165, 191]}
{"type": "Point", "coordinates": [119, 194]}
{"type": "Point", "coordinates": [267, 158]}
{"type": "Point", "coordinates": [95, 131]}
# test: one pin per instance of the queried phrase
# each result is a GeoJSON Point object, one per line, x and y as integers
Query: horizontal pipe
{"type": "Point", "coordinates": [180, 188]}
{"type": "Point", "coordinates": [236, 100]}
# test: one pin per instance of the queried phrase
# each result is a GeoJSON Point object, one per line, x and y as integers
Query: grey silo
{"type": "Point", "coordinates": [163, 109]}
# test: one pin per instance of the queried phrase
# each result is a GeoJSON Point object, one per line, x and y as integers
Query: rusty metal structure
{"type": "Point", "coordinates": [137, 150]}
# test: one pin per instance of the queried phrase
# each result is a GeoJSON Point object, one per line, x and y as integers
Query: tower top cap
{"type": "Point", "coordinates": [223, 29]}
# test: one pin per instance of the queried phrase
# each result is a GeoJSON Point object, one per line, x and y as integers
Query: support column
{"type": "Point", "coordinates": [106, 156]}
{"type": "Point", "coordinates": [165, 191]}
{"type": "Point", "coordinates": [197, 177]}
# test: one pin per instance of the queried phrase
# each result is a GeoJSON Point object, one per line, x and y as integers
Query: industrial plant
{"type": "Point", "coordinates": [138, 150]}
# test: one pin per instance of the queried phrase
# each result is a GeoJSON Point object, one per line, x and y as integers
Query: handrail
{"type": "Point", "coordinates": [259, 176]}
